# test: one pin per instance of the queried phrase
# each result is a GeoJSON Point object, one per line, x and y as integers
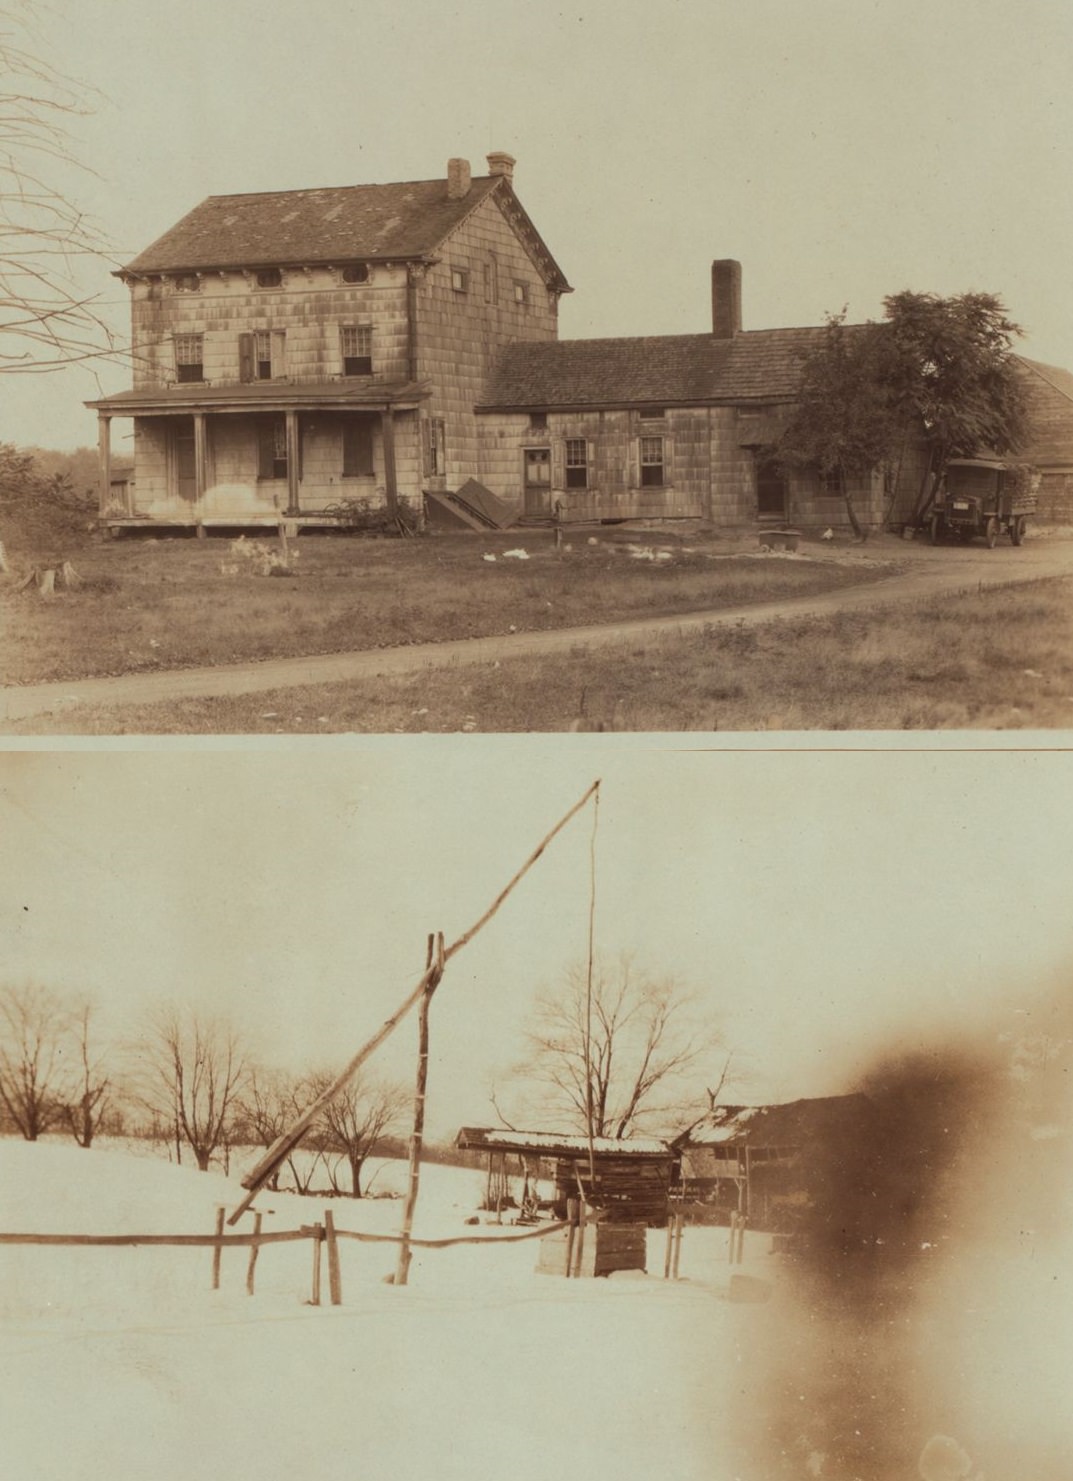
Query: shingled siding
{"type": "Point", "coordinates": [1051, 445]}
{"type": "Point", "coordinates": [309, 308]}
{"type": "Point", "coordinates": [459, 333]}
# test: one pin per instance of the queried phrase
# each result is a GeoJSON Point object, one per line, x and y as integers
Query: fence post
{"type": "Point", "coordinates": [217, 1249]}
{"type": "Point", "coordinates": [254, 1249]}
{"type": "Point", "coordinates": [571, 1234]}
{"type": "Point", "coordinates": [335, 1279]}
{"type": "Point", "coordinates": [677, 1245]}
{"type": "Point", "coordinates": [318, 1235]}
{"type": "Point", "coordinates": [670, 1247]}
{"type": "Point", "coordinates": [579, 1246]}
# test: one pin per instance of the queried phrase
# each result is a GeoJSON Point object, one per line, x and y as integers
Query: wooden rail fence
{"type": "Point", "coordinates": [319, 1234]}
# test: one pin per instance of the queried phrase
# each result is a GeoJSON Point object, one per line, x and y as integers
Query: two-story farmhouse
{"type": "Point", "coordinates": [300, 349]}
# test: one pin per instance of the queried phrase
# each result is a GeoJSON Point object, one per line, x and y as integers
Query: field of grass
{"type": "Point", "coordinates": [176, 603]}
{"type": "Point", "coordinates": [996, 659]}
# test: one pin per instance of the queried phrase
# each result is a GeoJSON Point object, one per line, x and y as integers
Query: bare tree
{"type": "Point", "coordinates": [33, 1030]}
{"type": "Point", "coordinates": [86, 1099]}
{"type": "Point", "coordinates": [46, 320]}
{"type": "Point", "coordinates": [192, 1071]}
{"type": "Point", "coordinates": [357, 1118]}
{"type": "Point", "coordinates": [271, 1101]}
{"type": "Point", "coordinates": [631, 1050]}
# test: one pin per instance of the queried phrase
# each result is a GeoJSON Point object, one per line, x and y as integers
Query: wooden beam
{"type": "Point", "coordinates": [201, 460]}
{"type": "Point", "coordinates": [104, 445]}
{"type": "Point", "coordinates": [291, 418]}
{"type": "Point", "coordinates": [417, 1135]}
{"type": "Point", "coordinates": [391, 484]}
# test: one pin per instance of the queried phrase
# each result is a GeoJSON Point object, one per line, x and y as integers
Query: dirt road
{"type": "Point", "coordinates": [931, 572]}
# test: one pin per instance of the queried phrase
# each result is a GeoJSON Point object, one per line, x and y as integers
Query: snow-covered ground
{"type": "Point", "coordinates": [123, 1362]}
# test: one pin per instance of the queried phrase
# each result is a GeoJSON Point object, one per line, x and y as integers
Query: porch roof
{"type": "Point", "coordinates": [181, 400]}
{"type": "Point", "coordinates": [554, 1144]}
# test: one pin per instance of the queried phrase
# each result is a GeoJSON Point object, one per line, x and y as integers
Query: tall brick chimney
{"type": "Point", "coordinates": [726, 298]}
{"type": "Point", "coordinates": [457, 179]}
{"type": "Point", "coordinates": [501, 164]}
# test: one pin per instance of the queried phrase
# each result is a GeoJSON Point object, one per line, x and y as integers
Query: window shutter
{"type": "Point", "coordinates": [426, 446]}
{"type": "Point", "coordinates": [558, 464]}
{"type": "Point", "coordinates": [266, 448]}
{"type": "Point", "coordinates": [245, 358]}
{"type": "Point", "coordinates": [668, 478]}
{"type": "Point", "coordinates": [633, 470]}
{"type": "Point", "coordinates": [279, 354]}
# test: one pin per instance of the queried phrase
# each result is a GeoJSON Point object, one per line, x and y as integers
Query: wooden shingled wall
{"type": "Point", "coordinates": [630, 1189]}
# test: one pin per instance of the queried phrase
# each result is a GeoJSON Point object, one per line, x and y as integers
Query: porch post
{"type": "Point", "coordinates": [104, 446]}
{"type": "Point", "coordinates": [201, 461]}
{"type": "Point", "coordinates": [291, 418]}
{"type": "Point", "coordinates": [391, 487]}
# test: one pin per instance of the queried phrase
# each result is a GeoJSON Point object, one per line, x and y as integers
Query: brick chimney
{"type": "Point", "coordinates": [457, 179]}
{"type": "Point", "coordinates": [726, 298]}
{"type": "Point", "coordinates": [501, 164]}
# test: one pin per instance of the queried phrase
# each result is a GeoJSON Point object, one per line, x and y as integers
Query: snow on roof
{"type": "Point", "coordinates": [552, 1142]}
{"type": "Point", "coordinates": [789, 1124]}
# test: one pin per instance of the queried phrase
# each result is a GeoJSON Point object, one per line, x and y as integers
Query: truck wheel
{"type": "Point", "coordinates": [991, 533]}
{"type": "Point", "coordinates": [1017, 529]}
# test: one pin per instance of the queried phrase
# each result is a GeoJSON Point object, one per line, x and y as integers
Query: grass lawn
{"type": "Point", "coordinates": [177, 603]}
{"type": "Point", "coordinates": [997, 659]}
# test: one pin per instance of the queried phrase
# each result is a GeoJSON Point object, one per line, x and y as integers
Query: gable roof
{"type": "Point", "coordinates": [758, 365]}
{"type": "Point", "coordinates": [339, 223]}
{"type": "Point", "coordinates": [786, 1125]}
{"type": "Point", "coordinates": [1058, 379]}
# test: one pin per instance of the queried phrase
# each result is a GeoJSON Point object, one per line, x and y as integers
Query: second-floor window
{"type": "Point", "coordinates": [357, 345]}
{"type": "Point", "coordinates": [577, 463]}
{"type": "Point", "coordinates": [652, 465]}
{"type": "Point", "coordinates": [262, 355]}
{"type": "Point", "coordinates": [190, 357]}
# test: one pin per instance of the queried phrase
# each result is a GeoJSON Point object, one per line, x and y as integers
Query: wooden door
{"type": "Point", "coordinates": [537, 482]}
{"type": "Point", "coordinates": [772, 490]}
{"type": "Point", "coordinates": [185, 462]}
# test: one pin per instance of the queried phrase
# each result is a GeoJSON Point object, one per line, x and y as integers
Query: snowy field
{"type": "Point", "coordinates": [124, 1362]}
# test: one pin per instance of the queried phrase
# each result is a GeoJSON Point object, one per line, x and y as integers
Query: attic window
{"type": "Point", "coordinates": [538, 421]}
{"type": "Point", "coordinates": [269, 277]}
{"type": "Point", "coordinates": [357, 345]}
{"type": "Point", "coordinates": [653, 414]}
{"type": "Point", "coordinates": [357, 272]}
{"type": "Point", "coordinates": [187, 283]}
{"type": "Point", "coordinates": [460, 279]}
{"type": "Point", "coordinates": [521, 294]}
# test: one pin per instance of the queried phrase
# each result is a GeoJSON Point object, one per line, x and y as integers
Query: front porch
{"type": "Point", "coordinates": [228, 461]}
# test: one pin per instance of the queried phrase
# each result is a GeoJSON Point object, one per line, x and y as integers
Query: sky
{"type": "Point", "coordinates": [841, 149]}
{"type": "Point", "coordinates": [828, 908]}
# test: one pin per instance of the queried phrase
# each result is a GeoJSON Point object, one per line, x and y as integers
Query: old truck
{"type": "Point", "coordinates": [983, 497]}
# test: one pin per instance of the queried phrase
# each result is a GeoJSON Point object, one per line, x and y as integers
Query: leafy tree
{"type": "Point", "coordinates": [46, 321]}
{"type": "Point", "coordinates": [953, 365]}
{"type": "Point", "coordinates": [849, 418]}
{"type": "Point", "coordinates": [33, 1030]}
{"type": "Point", "coordinates": [632, 1051]}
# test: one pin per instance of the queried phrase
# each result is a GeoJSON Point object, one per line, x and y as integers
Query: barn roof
{"type": "Point", "coordinates": [337, 223]}
{"type": "Point", "coordinates": [758, 365]}
{"type": "Point", "coordinates": [1060, 380]}
{"type": "Point", "coordinates": [786, 1125]}
{"type": "Point", "coordinates": [552, 1144]}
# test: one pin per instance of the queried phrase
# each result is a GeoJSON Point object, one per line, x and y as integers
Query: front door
{"type": "Point", "coordinates": [537, 480]}
{"type": "Point", "coordinates": [185, 462]}
{"type": "Point", "coordinates": [772, 490]}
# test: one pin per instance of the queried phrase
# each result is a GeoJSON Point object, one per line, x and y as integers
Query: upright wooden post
{"type": "Point", "coordinates": [291, 428]}
{"type": "Point", "coordinates": [670, 1248]}
{"type": "Point", "coordinates": [417, 1135]}
{"type": "Point", "coordinates": [677, 1245]}
{"type": "Point", "coordinates": [217, 1249]}
{"type": "Point", "coordinates": [104, 447]}
{"type": "Point", "coordinates": [254, 1251]}
{"type": "Point", "coordinates": [391, 485]}
{"type": "Point", "coordinates": [201, 461]}
{"type": "Point", "coordinates": [571, 1235]}
{"type": "Point", "coordinates": [318, 1236]}
{"type": "Point", "coordinates": [579, 1244]}
{"type": "Point", "coordinates": [335, 1279]}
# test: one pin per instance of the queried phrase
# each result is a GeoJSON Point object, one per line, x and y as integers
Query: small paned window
{"type": "Point", "coordinates": [269, 277]}
{"type": "Point", "coordinates": [653, 414]}
{"type": "Point", "coordinates": [652, 462]}
{"type": "Point", "coordinates": [357, 349]}
{"type": "Point", "coordinates": [358, 447]}
{"type": "Point", "coordinates": [577, 463]}
{"type": "Point", "coordinates": [460, 279]}
{"type": "Point", "coordinates": [435, 450]}
{"type": "Point", "coordinates": [272, 448]}
{"type": "Point", "coordinates": [521, 294]}
{"type": "Point", "coordinates": [188, 283]}
{"type": "Point", "coordinates": [189, 357]}
{"type": "Point", "coordinates": [357, 272]}
{"type": "Point", "coordinates": [538, 421]}
{"type": "Point", "coordinates": [262, 349]}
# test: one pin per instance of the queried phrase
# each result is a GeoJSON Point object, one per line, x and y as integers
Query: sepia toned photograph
{"type": "Point", "coordinates": [704, 1112]}
{"type": "Point", "coordinates": [476, 372]}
